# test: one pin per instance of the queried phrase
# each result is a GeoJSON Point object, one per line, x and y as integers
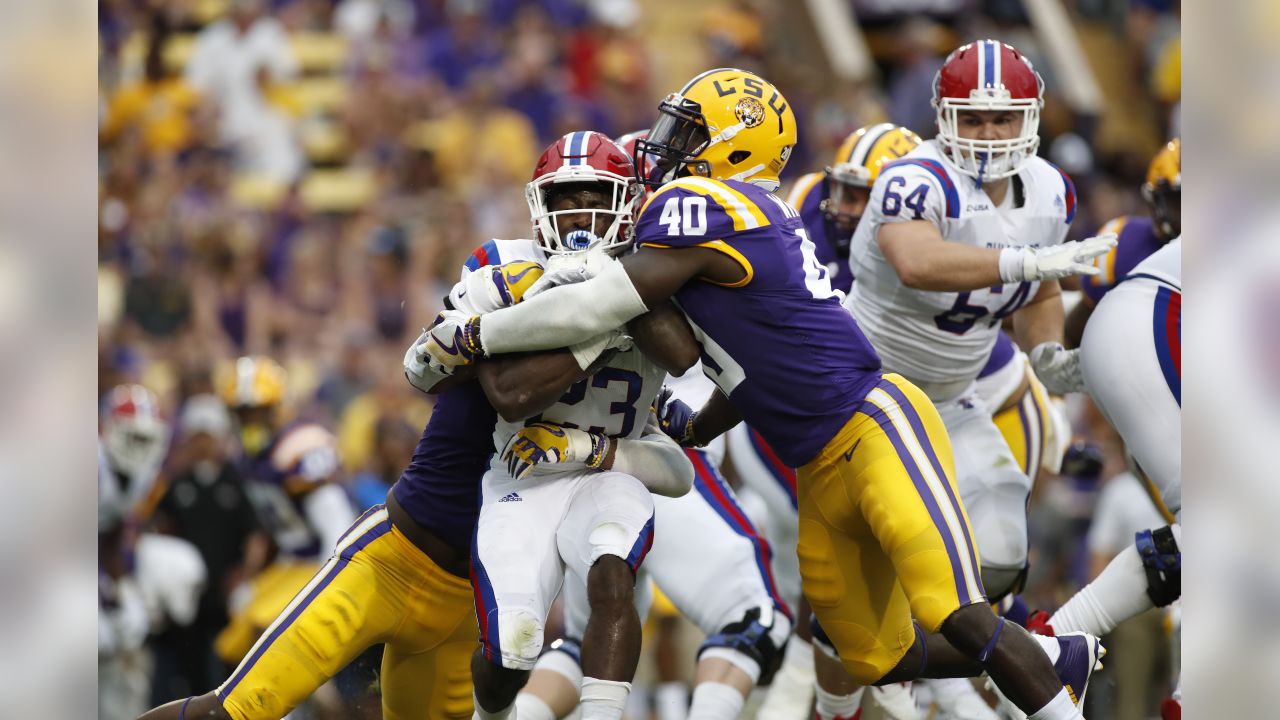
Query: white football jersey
{"type": "Point", "coordinates": [943, 339]}
{"type": "Point", "coordinates": [1164, 264]}
{"type": "Point", "coordinates": [616, 400]}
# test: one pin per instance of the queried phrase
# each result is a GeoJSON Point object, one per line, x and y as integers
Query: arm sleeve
{"type": "Point", "coordinates": [329, 513]}
{"type": "Point", "coordinates": [565, 315]}
{"type": "Point", "coordinates": [656, 461]}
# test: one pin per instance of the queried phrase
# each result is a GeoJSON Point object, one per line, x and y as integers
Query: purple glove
{"type": "Point", "coordinates": [675, 417]}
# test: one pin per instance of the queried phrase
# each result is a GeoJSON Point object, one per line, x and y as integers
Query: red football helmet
{"type": "Point", "coordinates": [988, 75]}
{"type": "Point", "coordinates": [133, 433]}
{"type": "Point", "coordinates": [583, 158]}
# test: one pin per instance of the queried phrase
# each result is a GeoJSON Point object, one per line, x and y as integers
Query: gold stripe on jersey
{"type": "Point", "coordinates": [800, 191]}
{"type": "Point", "coordinates": [1107, 263]}
{"type": "Point", "coordinates": [744, 213]}
{"type": "Point", "coordinates": [727, 249]}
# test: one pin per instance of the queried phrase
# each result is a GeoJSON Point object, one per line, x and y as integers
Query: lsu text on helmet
{"type": "Point", "coordinates": [988, 76]}
{"type": "Point", "coordinates": [1163, 189]}
{"type": "Point", "coordinates": [858, 161]}
{"type": "Point", "coordinates": [577, 160]}
{"type": "Point", "coordinates": [725, 124]}
{"type": "Point", "coordinates": [133, 433]}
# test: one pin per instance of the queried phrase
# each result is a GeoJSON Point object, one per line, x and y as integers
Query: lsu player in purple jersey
{"type": "Point", "coordinates": [883, 536]}
{"type": "Point", "coordinates": [832, 202]}
{"type": "Point", "coordinates": [1138, 237]}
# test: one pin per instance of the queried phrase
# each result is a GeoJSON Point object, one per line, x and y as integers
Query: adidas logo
{"type": "Point", "coordinates": [513, 497]}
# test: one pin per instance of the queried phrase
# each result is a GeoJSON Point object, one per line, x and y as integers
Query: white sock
{"type": "Point", "coordinates": [830, 705]}
{"type": "Point", "coordinates": [1116, 595]}
{"type": "Point", "coordinates": [507, 713]}
{"type": "Point", "coordinates": [1059, 708]}
{"type": "Point", "coordinates": [603, 699]}
{"type": "Point", "coordinates": [532, 707]}
{"type": "Point", "coordinates": [671, 701]}
{"type": "Point", "coordinates": [1049, 645]}
{"type": "Point", "coordinates": [716, 701]}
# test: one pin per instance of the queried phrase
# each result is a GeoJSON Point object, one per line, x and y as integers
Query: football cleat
{"type": "Point", "coordinates": [1079, 655]}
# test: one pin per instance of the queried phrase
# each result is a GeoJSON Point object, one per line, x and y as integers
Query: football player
{"type": "Point", "coordinates": [1130, 363]}
{"type": "Point", "coordinates": [880, 515]}
{"type": "Point", "coordinates": [567, 500]}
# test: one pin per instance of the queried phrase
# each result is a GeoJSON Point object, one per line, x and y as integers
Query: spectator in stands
{"type": "Point", "coordinates": [393, 443]}
{"type": "Point", "coordinates": [911, 85]}
{"type": "Point", "coordinates": [159, 106]}
{"type": "Point", "coordinates": [481, 135]}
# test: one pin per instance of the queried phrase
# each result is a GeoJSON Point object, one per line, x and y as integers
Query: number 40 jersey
{"type": "Point", "coordinates": [941, 340]}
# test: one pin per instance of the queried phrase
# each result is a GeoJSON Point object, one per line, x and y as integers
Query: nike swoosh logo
{"type": "Point", "coordinates": [451, 348]}
{"type": "Point", "coordinates": [848, 456]}
{"type": "Point", "coordinates": [513, 279]}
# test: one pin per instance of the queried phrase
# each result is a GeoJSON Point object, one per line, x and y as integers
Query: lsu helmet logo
{"type": "Point", "coordinates": [749, 111]}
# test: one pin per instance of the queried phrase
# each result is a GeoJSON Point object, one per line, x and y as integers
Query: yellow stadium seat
{"type": "Point", "coordinates": [319, 52]}
{"type": "Point", "coordinates": [324, 142]}
{"type": "Point", "coordinates": [320, 94]}
{"type": "Point", "coordinates": [345, 190]}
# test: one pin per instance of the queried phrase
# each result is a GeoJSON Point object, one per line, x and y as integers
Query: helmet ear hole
{"type": "Point", "coordinates": [738, 156]}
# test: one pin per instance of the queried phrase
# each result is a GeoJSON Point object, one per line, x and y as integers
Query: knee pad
{"type": "Point", "coordinates": [758, 638]}
{"type": "Point", "coordinates": [1162, 561]}
{"type": "Point", "coordinates": [520, 640]}
{"type": "Point", "coordinates": [999, 582]}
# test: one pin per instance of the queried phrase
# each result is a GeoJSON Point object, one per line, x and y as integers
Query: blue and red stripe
{"type": "Point", "coordinates": [926, 494]}
{"type": "Point", "coordinates": [1069, 189]}
{"type": "Point", "coordinates": [712, 487]}
{"type": "Point", "coordinates": [1167, 330]}
{"type": "Point", "coordinates": [486, 604]}
{"type": "Point", "coordinates": [785, 476]}
{"type": "Point", "coordinates": [989, 62]}
{"type": "Point", "coordinates": [640, 549]}
{"type": "Point", "coordinates": [338, 566]}
{"type": "Point", "coordinates": [486, 254]}
{"type": "Point", "coordinates": [944, 180]}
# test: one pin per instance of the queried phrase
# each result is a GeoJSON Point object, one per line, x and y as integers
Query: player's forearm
{"type": "Point", "coordinates": [715, 418]}
{"type": "Point", "coordinates": [656, 461]}
{"type": "Point", "coordinates": [924, 261]}
{"type": "Point", "coordinates": [564, 315]}
{"type": "Point", "coordinates": [522, 386]}
{"type": "Point", "coordinates": [665, 337]}
{"type": "Point", "coordinates": [1042, 319]}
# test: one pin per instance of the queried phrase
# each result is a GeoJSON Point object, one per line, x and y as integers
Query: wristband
{"type": "Point", "coordinates": [1013, 265]}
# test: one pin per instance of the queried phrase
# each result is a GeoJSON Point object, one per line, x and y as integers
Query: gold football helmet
{"type": "Point", "coordinates": [1163, 189]}
{"type": "Point", "coordinates": [857, 165]}
{"type": "Point", "coordinates": [251, 382]}
{"type": "Point", "coordinates": [725, 124]}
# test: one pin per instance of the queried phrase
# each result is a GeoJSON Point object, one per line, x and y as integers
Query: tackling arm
{"type": "Point", "coordinates": [569, 314]}
{"type": "Point", "coordinates": [715, 418]}
{"type": "Point", "coordinates": [520, 386]}
{"type": "Point", "coordinates": [666, 338]}
{"type": "Point", "coordinates": [655, 460]}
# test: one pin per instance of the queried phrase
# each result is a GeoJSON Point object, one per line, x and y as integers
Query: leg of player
{"type": "Point", "coordinates": [495, 687]}
{"type": "Point", "coordinates": [884, 537]}
{"type": "Point", "coordinates": [204, 707]}
{"type": "Point", "coordinates": [1144, 575]}
{"type": "Point", "coordinates": [553, 688]}
{"type": "Point", "coordinates": [839, 696]}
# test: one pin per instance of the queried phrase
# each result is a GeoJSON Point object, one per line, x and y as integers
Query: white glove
{"type": "Point", "coordinates": [1021, 264]}
{"type": "Point", "coordinates": [588, 351]}
{"type": "Point", "coordinates": [1057, 436]}
{"type": "Point", "coordinates": [453, 341]}
{"type": "Point", "coordinates": [417, 367]}
{"type": "Point", "coordinates": [569, 268]}
{"type": "Point", "coordinates": [1057, 368]}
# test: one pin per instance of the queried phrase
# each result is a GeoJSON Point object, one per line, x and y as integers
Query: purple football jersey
{"type": "Point", "coordinates": [1136, 240]}
{"type": "Point", "coordinates": [778, 343]}
{"type": "Point", "coordinates": [823, 233]}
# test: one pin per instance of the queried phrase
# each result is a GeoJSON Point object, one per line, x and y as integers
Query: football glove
{"type": "Point", "coordinates": [570, 268]}
{"type": "Point", "coordinates": [1021, 264]}
{"type": "Point", "coordinates": [675, 417]}
{"type": "Point", "coordinates": [494, 287]}
{"type": "Point", "coordinates": [1057, 368]}
{"type": "Point", "coordinates": [543, 442]}
{"type": "Point", "coordinates": [453, 341]}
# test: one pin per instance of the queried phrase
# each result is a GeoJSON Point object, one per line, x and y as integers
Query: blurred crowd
{"type": "Point", "coordinates": [301, 179]}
